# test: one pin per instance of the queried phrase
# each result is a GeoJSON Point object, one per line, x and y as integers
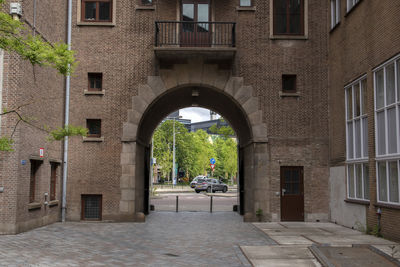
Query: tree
{"type": "Point", "coordinates": [14, 38]}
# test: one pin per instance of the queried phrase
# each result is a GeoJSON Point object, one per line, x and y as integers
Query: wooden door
{"type": "Point", "coordinates": [195, 29]}
{"type": "Point", "coordinates": [292, 194]}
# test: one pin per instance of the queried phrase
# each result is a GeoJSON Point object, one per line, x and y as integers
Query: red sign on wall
{"type": "Point", "coordinates": [41, 152]}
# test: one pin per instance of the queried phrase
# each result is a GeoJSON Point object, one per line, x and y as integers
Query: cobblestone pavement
{"type": "Point", "coordinates": [166, 239]}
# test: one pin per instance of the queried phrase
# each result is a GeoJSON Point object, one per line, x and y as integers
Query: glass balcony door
{"type": "Point", "coordinates": [195, 27]}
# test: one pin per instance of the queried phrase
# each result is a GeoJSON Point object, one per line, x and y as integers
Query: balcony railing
{"type": "Point", "coordinates": [195, 34]}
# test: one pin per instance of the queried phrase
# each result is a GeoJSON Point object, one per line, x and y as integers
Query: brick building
{"type": "Point", "coordinates": [271, 68]}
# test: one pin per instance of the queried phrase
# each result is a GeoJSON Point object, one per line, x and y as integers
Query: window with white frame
{"type": "Point", "coordinates": [335, 13]}
{"type": "Point", "coordinates": [351, 4]}
{"type": "Point", "coordinates": [387, 130]}
{"type": "Point", "coordinates": [357, 139]}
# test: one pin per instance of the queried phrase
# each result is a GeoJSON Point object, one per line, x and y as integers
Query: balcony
{"type": "Point", "coordinates": [176, 39]}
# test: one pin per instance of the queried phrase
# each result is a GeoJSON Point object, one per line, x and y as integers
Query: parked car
{"type": "Point", "coordinates": [195, 180]}
{"type": "Point", "coordinates": [210, 185]}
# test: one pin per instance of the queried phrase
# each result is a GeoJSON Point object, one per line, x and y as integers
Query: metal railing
{"type": "Point", "coordinates": [195, 34]}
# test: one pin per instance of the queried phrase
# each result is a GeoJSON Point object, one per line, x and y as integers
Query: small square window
{"type": "Point", "coordinates": [288, 83]}
{"type": "Point", "coordinates": [96, 10]}
{"type": "Point", "coordinates": [91, 207]}
{"type": "Point", "coordinates": [245, 2]}
{"type": "Point", "coordinates": [95, 81]}
{"type": "Point", "coordinates": [94, 127]}
{"type": "Point", "coordinates": [53, 180]}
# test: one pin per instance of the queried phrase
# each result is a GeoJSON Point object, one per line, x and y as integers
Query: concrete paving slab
{"type": "Point", "coordinates": [291, 240]}
{"type": "Point", "coordinates": [391, 250]}
{"type": "Point", "coordinates": [341, 231]}
{"type": "Point", "coordinates": [271, 225]}
{"type": "Point", "coordinates": [286, 263]}
{"type": "Point", "coordinates": [337, 240]}
{"type": "Point", "coordinates": [310, 225]}
{"type": "Point", "coordinates": [277, 252]}
{"type": "Point", "coordinates": [296, 231]}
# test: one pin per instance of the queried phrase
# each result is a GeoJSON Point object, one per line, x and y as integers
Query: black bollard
{"type": "Point", "coordinates": [177, 202]}
{"type": "Point", "coordinates": [211, 203]}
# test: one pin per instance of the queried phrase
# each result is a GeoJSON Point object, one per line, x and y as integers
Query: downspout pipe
{"type": "Point", "coordinates": [66, 119]}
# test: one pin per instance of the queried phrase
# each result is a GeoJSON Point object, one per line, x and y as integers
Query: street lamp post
{"type": "Point", "coordinates": [173, 154]}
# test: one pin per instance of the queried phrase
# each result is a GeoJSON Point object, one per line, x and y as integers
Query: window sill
{"type": "Point", "coordinates": [93, 139]}
{"type": "Point", "coordinates": [288, 37]}
{"type": "Point", "coordinates": [246, 8]}
{"type": "Point", "coordinates": [87, 92]}
{"type": "Point", "coordinates": [357, 201]}
{"type": "Point", "coordinates": [107, 24]}
{"type": "Point", "coordinates": [285, 94]}
{"type": "Point", "coordinates": [36, 158]}
{"type": "Point", "coordinates": [149, 7]}
{"type": "Point", "coordinates": [389, 206]}
{"type": "Point", "coordinates": [34, 206]}
{"type": "Point", "coordinates": [53, 203]}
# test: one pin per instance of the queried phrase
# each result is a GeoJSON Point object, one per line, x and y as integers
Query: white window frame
{"type": "Point", "coordinates": [362, 160]}
{"type": "Point", "coordinates": [351, 4]}
{"type": "Point", "coordinates": [387, 157]}
{"type": "Point", "coordinates": [335, 13]}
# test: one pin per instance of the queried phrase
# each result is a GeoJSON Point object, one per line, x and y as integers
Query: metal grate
{"type": "Point", "coordinates": [91, 206]}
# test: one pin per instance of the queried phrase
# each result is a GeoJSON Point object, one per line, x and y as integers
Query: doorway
{"type": "Point", "coordinates": [195, 30]}
{"type": "Point", "coordinates": [292, 194]}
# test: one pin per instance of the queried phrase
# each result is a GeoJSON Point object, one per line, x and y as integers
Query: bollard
{"type": "Point", "coordinates": [177, 202]}
{"type": "Point", "coordinates": [211, 203]}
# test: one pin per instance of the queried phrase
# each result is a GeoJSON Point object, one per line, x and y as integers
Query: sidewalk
{"type": "Point", "coordinates": [307, 244]}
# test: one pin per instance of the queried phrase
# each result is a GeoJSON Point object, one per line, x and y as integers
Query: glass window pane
{"type": "Point", "coordinates": [379, 89]}
{"type": "Point", "coordinates": [398, 80]}
{"type": "Point", "coordinates": [90, 11]}
{"type": "Point", "coordinates": [350, 176]}
{"type": "Point", "coordinates": [357, 137]}
{"type": "Point", "coordinates": [365, 137]}
{"type": "Point", "coordinates": [105, 11]}
{"type": "Point", "coordinates": [280, 17]}
{"type": "Point", "coordinates": [245, 3]}
{"type": "Point", "coordinates": [392, 130]}
{"type": "Point", "coordinates": [203, 15]}
{"type": "Point", "coordinates": [390, 85]}
{"type": "Point", "coordinates": [333, 13]}
{"type": "Point", "coordinates": [359, 191]}
{"type": "Point", "coordinates": [393, 182]}
{"type": "Point", "coordinates": [381, 133]}
{"type": "Point", "coordinates": [366, 181]}
{"type": "Point", "coordinates": [188, 15]}
{"type": "Point", "coordinates": [357, 106]}
{"type": "Point", "coordinates": [382, 181]}
{"type": "Point", "coordinates": [349, 103]}
{"type": "Point", "coordinates": [295, 16]}
{"type": "Point", "coordinates": [364, 95]}
{"type": "Point", "coordinates": [350, 149]}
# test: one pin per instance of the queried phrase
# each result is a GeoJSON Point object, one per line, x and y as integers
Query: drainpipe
{"type": "Point", "coordinates": [34, 18]}
{"type": "Point", "coordinates": [66, 119]}
{"type": "Point", "coordinates": [1, 81]}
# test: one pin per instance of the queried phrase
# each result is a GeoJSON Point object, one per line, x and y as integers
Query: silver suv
{"type": "Point", "coordinates": [195, 180]}
{"type": "Point", "coordinates": [210, 185]}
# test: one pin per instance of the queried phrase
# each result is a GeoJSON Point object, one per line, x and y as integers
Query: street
{"type": "Point", "coordinates": [194, 202]}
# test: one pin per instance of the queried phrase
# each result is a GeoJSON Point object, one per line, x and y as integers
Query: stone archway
{"type": "Point", "coordinates": [194, 84]}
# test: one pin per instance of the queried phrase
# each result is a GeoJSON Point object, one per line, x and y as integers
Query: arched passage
{"type": "Point", "coordinates": [223, 94]}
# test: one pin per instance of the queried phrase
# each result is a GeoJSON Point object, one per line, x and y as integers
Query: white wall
{"type": "Point", "coordinates": [343, 213]}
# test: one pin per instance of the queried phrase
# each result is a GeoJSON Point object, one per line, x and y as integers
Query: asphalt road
{"type": "Point", "coordinates": [193, 202]}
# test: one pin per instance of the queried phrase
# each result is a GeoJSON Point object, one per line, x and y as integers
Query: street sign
{"type": "Point", "coordinates": [212, 161]}
{"type": "Point", "coordinates": [212, 166]}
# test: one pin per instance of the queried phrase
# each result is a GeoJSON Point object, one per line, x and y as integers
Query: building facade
{"type": "Point", "coordinates": [364, 115]}
{"type": "Point", "coordinates": [274, 69]}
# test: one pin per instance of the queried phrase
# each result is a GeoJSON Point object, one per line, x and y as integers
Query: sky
{"type": "Point", "coordinates": [195, 114]}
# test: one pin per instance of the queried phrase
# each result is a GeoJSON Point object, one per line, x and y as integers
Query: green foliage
{"type": "Point", "coordinates": [14, 38]}
{"type": "Point", "coordinates": [69, 130]}
{"type": "Point", "coordinates": [193, 151]}
{"type": "Point", "coordinates": [259, 212]}
{"type": "Point", "coordinates": [376, 231]}
{"type": "Point", "coordinates": [6, 144]}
